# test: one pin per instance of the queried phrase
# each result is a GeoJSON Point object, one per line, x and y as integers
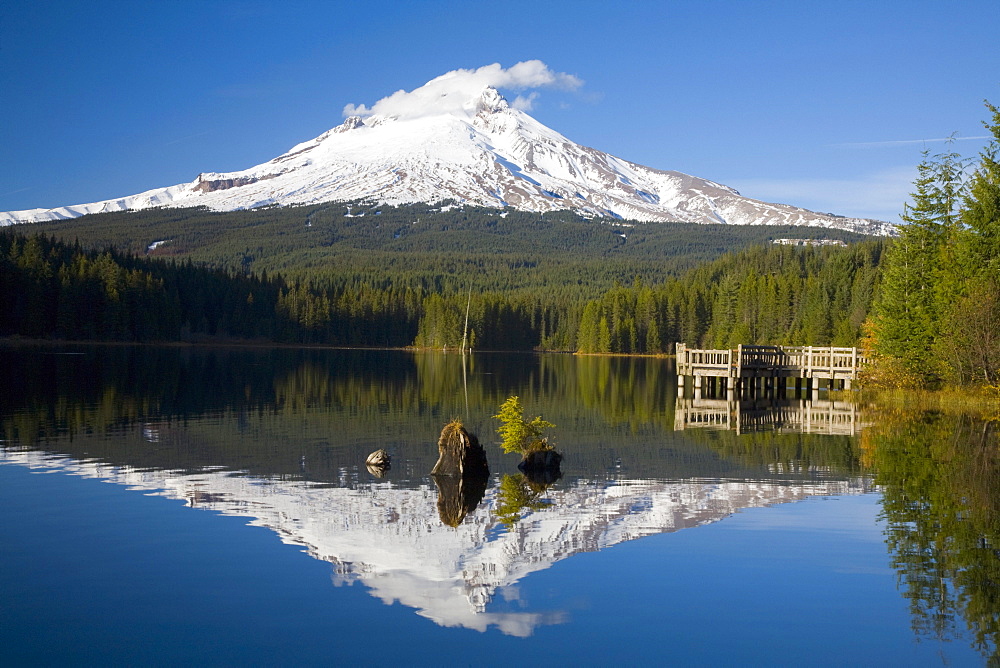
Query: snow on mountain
{"type": "Point", "coordinates": [480, 151]}
{"type": "Point", "coordinates": [391, 538]}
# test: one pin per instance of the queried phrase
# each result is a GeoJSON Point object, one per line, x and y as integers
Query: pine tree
{"type": "Point", "coordinates": [603, 336]}
{"type": "Point", "coordinates": [970, 336]}
{"type": "Point", "coordinates": [982, 204]}
{"type": "Point", "coordinates": [909, 305]}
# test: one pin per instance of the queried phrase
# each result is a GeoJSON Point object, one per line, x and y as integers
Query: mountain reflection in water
{"type": "Point", "coordinates": [280, 436]}
{"type": "Point", "coordinates": [391, 539]}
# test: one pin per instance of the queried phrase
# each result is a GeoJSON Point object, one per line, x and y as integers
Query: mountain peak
{"type": "Point", "coordinates": [349, 124]}
{"type": "Point", "coordinates": [489, 100]}
{"type": "Point", "coordinates": [457, 138]}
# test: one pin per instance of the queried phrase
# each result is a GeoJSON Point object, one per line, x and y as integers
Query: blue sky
{"type": "Point", "coordinates": [825, 105]}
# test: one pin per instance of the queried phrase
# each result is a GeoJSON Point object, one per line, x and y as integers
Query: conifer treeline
{"type": "Point", "coordinates": [54, 290]}
{"type": "Point", "coordinates": [937, 316]}
{"type": "Point", "coordinates": [768, 294]}
{"type": "Point", "coordinates": [765, 294]}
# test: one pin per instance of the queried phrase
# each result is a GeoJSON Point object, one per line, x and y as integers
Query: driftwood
{"type": "Point", "coordinates": [459, 453]}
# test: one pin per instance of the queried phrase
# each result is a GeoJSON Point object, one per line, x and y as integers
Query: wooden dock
{"type": "Point", "coordinates": [754, 370]}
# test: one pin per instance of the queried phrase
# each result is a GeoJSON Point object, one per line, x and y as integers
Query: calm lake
{"type": "Point", "coordinates": [211, 506]}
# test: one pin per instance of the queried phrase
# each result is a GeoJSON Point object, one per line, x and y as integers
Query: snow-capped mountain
{"type": "Point", "coordinates": [482, 152]}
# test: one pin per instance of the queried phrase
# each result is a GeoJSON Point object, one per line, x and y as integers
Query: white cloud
{"type": "Point", "coordinates": [450, 92]}
{"type": "Point", "coordinates": [900, 142]}
{"type": "Point", "coordinates": [878, 195]}
{"type": "Point", "coordinates": [525, 103]}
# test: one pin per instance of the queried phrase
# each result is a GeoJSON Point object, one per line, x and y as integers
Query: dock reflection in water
{"type": "Point", "coordinates": [746, 416]}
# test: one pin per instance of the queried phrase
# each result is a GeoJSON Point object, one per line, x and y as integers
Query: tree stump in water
{"type": "Point", "coordinates": [460, 474]}
{"type": "Point", "coordinates": [459, 453]}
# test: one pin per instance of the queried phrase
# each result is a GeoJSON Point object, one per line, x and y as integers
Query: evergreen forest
{"type": "Point", "coordinates": [53, 289]}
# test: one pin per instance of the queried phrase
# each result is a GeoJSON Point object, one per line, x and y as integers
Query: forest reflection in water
{"type": "Point", "coordinates": [939, 475]}
{"type": "Point", "coordinates": [281, 436]}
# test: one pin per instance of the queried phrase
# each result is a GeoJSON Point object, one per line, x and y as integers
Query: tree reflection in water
{"type": "Point", "coordinates": [518, 495]}
{"type": "Point", "coordinates": [939, 477]}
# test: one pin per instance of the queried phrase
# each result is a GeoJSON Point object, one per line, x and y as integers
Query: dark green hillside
{"type": "Point", "coordinates": [409, 275]}
{"type": "Point", "coordinates": [423, 246]}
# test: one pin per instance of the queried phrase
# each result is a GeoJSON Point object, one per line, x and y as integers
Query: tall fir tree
{"type": "Point", "coordinates": [971, 332]}
{"type": "Point", "coordinates": [982, 204]}
{"type": "Point", "coordinates": [908, 306]}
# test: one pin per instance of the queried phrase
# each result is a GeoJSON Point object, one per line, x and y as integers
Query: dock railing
{"type": "Point", "coordinates": [704, 362]}
{"type": "Point", "coordinates": [749, 361]}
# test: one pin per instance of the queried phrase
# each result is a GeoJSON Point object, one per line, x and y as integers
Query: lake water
{"type": "Point", "coordinates": [211, 506]}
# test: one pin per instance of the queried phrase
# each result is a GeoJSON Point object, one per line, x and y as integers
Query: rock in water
{"type": "Point", "coordinates": [542, 466]}
{"type": "Point", "coordinates": [541, 459]}
{"type": "Point", "coordinates": [459, 453]}
{"type": "Point", "coordinates": [378, 463]}
{"type": "Point", "coordinates": [378, 458]}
